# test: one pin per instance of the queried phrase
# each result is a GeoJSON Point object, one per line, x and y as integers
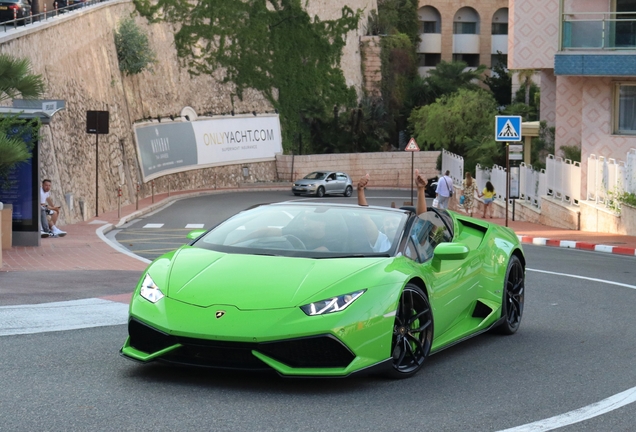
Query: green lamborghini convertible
{"type": "Point", "coordinates": [327, 290]}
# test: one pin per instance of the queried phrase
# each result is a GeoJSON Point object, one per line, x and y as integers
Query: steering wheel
{"type": "Point", "coordinates": [295, 242]}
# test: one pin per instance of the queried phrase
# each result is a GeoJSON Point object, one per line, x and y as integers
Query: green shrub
{"type": "Point", "coordinates": [133, 49]}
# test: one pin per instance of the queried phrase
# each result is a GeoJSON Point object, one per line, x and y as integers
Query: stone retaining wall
{"type": "Point", "coordinates": [391, 169]}
{"type": "Point", "coordinates": [75, 54]}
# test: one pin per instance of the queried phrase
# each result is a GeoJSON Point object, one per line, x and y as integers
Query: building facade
{"type": "Point", "coordinates": [585, 51]}
{"type": "Point", "coordinates": [469, 30]}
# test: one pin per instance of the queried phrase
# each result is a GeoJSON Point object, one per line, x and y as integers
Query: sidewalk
{"type": "Point", "coordinates": [85, 249]}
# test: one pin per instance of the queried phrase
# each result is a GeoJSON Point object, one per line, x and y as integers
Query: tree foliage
{"type": "Point", "coordinates": [500, 81]}
{"type": "Point", "coordinates": [17, 80]}
{"type": "Point", "coordinates": [16, 135]}
{"type": "Point", "coordinates": [133, 48]}
{"type": "Point", "coordinates": [462, 123]}
{"type": "Point", "coordinates": [272, 46]}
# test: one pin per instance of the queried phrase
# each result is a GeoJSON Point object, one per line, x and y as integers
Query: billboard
{"type": "Point", "coordinates": [166, 148]}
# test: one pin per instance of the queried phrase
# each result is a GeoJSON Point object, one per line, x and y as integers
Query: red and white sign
{"type": "Point", "coordinates": [412, 146]}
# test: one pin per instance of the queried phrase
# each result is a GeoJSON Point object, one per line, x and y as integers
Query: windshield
{"type": "Point", "coordinates": [316, 176]}
{"type": "Point", "coordinates": [308, 231]}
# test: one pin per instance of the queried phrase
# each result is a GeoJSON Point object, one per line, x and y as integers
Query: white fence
{"type": "Point", "coordinates": [534, 184]}
{"type": "Point", "coordinates": [563, 179]}
{"type": "Point", "coordinates": [608, 178]}
{"type": "Point", "coordinates": [454, 164]}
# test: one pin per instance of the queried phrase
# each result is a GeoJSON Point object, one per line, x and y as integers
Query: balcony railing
{"type": "Point", "coordinates": [599, 30]}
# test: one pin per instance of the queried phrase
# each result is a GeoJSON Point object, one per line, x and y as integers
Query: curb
{"type": "Point", "coordinates": [571, 244]}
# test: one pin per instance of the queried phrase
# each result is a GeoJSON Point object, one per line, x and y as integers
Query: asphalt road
{"type": "Point", "coordinates": [575, 348]}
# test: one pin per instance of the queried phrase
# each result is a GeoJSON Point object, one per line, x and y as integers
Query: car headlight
{"type": "Point", "coordinates": [334, 304]}
{"type": "Point", "coordinates": [150, 291]}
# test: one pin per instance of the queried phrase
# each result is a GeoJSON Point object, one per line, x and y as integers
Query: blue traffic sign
{"type": "Point", "coordinates": [508, 128]}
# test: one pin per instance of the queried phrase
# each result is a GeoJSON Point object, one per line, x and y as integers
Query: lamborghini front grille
{"type": "Point", "coordinates": [322, 351]}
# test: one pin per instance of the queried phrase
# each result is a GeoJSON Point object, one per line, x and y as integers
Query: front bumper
{"type": "Point", "coordinates": [304, 189]}
{"type": "Point", "coordinates": [284, 340]}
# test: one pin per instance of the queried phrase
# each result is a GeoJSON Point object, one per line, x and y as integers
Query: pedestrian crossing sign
{"type": "Point", "coordinates": [508, 128]}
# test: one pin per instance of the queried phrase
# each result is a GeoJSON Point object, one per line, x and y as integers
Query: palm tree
{"type": "Point", "coordinates": [525, 77]}
{"type": "Point", "coordinates": [16, 80]}
{"type": "Point", "coordinates": [448, 77]}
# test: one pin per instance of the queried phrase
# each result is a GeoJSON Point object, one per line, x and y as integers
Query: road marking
{"type": "Point", "coordinates": [153, 225]}
{"type": "Point", "coordinates": [585, 413]}
{"type": "Point", "coordinates": [61, 316]}
{"type": "Point", "coordinates": [584, 278]}
{"type": "Point", "coordinates": [195, 226]}
{"type": "Point", "coordinates": [86, 313]}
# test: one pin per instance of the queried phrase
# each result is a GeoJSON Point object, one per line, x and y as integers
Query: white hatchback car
{"type": "Point", "coordinates": [321, 183]}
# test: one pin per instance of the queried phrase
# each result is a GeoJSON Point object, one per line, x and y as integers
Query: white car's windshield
{"type": "Point", "coordinates": [316, 176]}
{"type": "Point", "coordinates": [305, 230]}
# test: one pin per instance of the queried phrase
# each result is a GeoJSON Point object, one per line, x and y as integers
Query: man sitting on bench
{"type": "Point", "coordinates": [49, 209]}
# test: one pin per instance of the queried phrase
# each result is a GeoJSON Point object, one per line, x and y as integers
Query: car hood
{"type": "Point", "coordinates": [204, 278]}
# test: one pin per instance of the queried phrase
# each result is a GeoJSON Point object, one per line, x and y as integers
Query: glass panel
{"type": "Point", "coordinates": [583, 34]}
{"type": "Point", "coordinates": [427, 232]}
{"type": "Point", "coordinates": [627, 109]}
{"type": "Point", "coordinates": [429, 27]}
{"type": "Point", "coordinates": [464, 28]}
{"type": "Point", "coordinates": [429, 60]}
{"type": "Point", "coordinates": [500, 28]}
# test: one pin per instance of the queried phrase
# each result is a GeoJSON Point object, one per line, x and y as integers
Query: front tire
{"type": "Point", "coordinates": [513, 297]}
{"type": "Point", "coordinates": [320, 192]}
{"type": "Point", "coordinates": [412, 333]}
{"type": "Point", "coordinates": [348, 191]}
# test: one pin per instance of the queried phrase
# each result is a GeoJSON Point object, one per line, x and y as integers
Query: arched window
{"type": "Point", "coordinates": [466, 21]}
{"type": "Point", "coordinates": [430, 20]}
{"type": "Point", "coordinates": [500, 22]}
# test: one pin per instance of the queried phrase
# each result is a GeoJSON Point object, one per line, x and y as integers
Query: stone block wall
{"type": "Point", "coordinates": [75, 54]}
{"type": "Point", "coordinates": [390, 169]}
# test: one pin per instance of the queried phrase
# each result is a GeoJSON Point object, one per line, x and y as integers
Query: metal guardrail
{"type": "Point", "coordinates": [46, 15]}
{"type": "Point", "coordinates": [598, 30]}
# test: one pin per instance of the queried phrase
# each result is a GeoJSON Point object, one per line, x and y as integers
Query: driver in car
{"type": "Point", "coordinates": [379, 239]}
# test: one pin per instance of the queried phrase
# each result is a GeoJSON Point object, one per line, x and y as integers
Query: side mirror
{"type": "Point", "coordinates": [450, 251]}
{"type": "Point", "coordinates": [195, 234]}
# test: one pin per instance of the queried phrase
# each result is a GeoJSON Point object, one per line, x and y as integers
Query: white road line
{"type": "Point", "coordinates": [584, 278]}
{"type": "Point", "coordinates": [153, 225]}
{"type": "Point", "coordinates": [194, 226]}
{"type": "Point", "coordinates": [61, 316]}
{"type": "Point", "coordinates": [585, 413]}
{"type": "Point", "coordinates": [77, 314]}
{"type": "Point", "coordinates": [115, 245]}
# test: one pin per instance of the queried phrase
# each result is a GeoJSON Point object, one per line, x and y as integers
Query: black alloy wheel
{"type": "Point", "coordinates": [348, 191]}
{"type": "Point", "coordinates": [320, 192]}
{"type": "Point", "coordinates": [412, 333]}
{"type": "Point", "coordinates": [513, 297]}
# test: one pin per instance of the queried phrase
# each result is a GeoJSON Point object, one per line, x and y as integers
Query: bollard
{"type": "Point", "coordinates": [15, 18]}
{"type": "Point", "coordinates": [137, 198]}
{"type": "Point", "coordinates": [45, 15]}
{"type": "Point", "coordinates": [152, 183]}
{"type": "Point", "coordinates": [55, 7]}
{"type": "Point", "coordinates": [119, 202]}
{"type": "Point", "coordinates": [168, 188]}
